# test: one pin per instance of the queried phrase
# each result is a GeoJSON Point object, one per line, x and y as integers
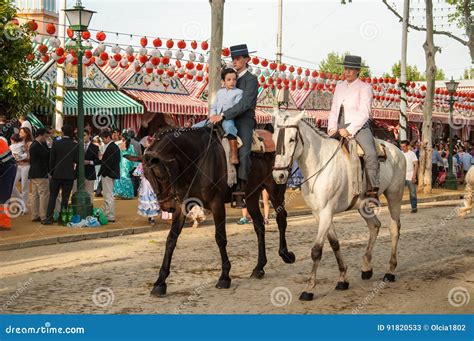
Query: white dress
{"type": "Point", "coordinates": [147, 201]}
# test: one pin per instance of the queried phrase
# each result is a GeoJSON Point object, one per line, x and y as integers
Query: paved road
{"type": "Point", "coordinates": [115, 275]}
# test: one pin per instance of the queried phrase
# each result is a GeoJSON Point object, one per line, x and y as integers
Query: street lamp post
{"type": "Point", "coordinates": [451, 181]}
{"type": "Point", "coordinates": [79, 19]}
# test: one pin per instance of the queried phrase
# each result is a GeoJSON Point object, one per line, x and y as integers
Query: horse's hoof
{"type": "Point", "coordinates": [159, 290]}
{"type": "Point", "coordinates": [389, 278]}
{"type": "Point", "coordinates": [367, 274]}
{"type": "Point", "coordinates": [306, 296]}
{"type": "Point", "coordinates": [223, 284]}
{"type": "Point", "coordinates": [257, 274]}
{"type": "Point", "coordinates": [342, 285]}
{"type": "Point", "coordinates": [288, 257]}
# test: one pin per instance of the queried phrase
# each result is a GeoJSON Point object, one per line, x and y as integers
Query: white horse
{"type": "Point", "coordinates": [328, 190]}
{"type": "Point", "coordinates": [469, 179]}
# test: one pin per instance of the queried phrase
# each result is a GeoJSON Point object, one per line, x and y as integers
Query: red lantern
{"type": "Point", "coordinates": [155, 61]}
{"type": "Point", "coordinates": [393, 81]}
{"type": "Point", "coordinates": [74, 61]}
{"type": "Point", "coordinates": [262, 79]}
{"type": "Point", "coordinates": [190, 77]}
{"type": "Point", "coordinates": [189, 65]}
{"type": "Point", "coordinates": [322, 74]}
{"type": "Point", "coordinates": [194, 44]}
{"type": "Point", "coordinates": [92, 60]}
{"type": "Point", "coordinates": [70, 33]}
{"type": "Point", "coordinates": [118, 57]}
{"type": "Point", "coordinates": [423, 88]}
{"type": "Point", "coordinates": [45, 58]}
{"type": "Point", "coordinates": [59, 51]}
{"type": "Point", "coordinates": [130, 58]}
{"type": "Point", "coordinates": [282, 67]}
{"type": "Point", "coordinates": [273, 66]}
{"type": "Point", "coordinates": [307, 72]}
{"type": "Point", "coordinates": [314, 74]}
{"type": "Point", "coordinates": [160, 71]}
{"type": "Point", "coordinates": [143, 59]}
{"type": "Point", "coordinates": [181, 44]}
{"type": "Point", "coordinates": [143, 41]}
{"type": "Point", "coordinates": [61, 60]}
{"type": "Point", "coordinates": [204, 45]}
{"type": "Point", "coordinates": [265, 86]}
{"type": "Point", "coordinates": [73, 53]}
{"type": "Point", "coordinates": [100, 36]}
{"type": "Point", "coordinates": [32, 25]}
{"type": "Point", "coordinates": [264, 63]}
{"type": "Point", "coordinates": [104, 56]}
{"type": "Point", "coordinates": [299, 71]}
{"type": "Point", "coordinates": [180, 75]}
{"type": "Point", "coordinates": [30, 57]}
{"type": "Point", "coordinates": [165, 60]}
{"type": "Point", "coordinates": [178, 64]}
{"type": "Point", "coordinates": [87, 53]}
{"type": "Point", "coordinates": [169, 43]}
{"type": "Point", "coordinates": [50, 28]}
{"type": "Point", "coordinates": [226, 52]}
{"type": "Point", "coordinates": [170, 73]}
{"type": "Point", "coordinates": [199, 67]}
{"type": "Point", "coordinates": [270, 80]}
{"type": "Point", "coordinates": [291, 69]}
{"type": "Point", "coordinates": [199, 78]}
{"type": "Point", "coordinates": [255, 61]}
{"type": "Point", "coordinates": [278, 80]}
{"type": "Point", "coordinates": [157, 42]}
{"type": "Point", "coordinates": [86, 35]}
{"type": "Point", "coordinates": [42, 49]}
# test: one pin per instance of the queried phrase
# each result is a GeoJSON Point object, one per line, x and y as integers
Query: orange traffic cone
{"type": "Point", "coordinates": [5, 223]}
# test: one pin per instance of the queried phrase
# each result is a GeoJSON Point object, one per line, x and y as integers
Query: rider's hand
{"type": "Point", "coordinates": [344, 133]}
{"type": "Point", "coordinates": [332, 132]}
{"type": "Point", "coordinates": [215, 119]}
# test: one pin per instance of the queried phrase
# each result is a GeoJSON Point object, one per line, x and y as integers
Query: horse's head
{"type": "Point", "coordinates": [158, 173]}
{"type": "Point", "coordinates": [289, 144]}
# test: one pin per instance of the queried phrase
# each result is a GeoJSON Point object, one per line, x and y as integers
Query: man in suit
{"type": "Point", "coordinates": [91, 157]}
{"type": "Point", "coordinates": [109, 171]}
{"type": "Point", "coordinates": [243, 114]}
{"type": "Point", "coordinates": [38, 174]}
{"type": "Point", "coordinates": [62, 162]}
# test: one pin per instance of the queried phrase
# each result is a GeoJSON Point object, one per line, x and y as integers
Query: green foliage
{"type": "Point", "coordinates": [330, 64]}
{"type": "Point", "coordinates": [461, 16]}
{"type": "Point", "coordinates": [413, 74]}
{"type": "Point", "coordinates": [16, 95]}
{"type": "Point", "coordinates": [468, 74]}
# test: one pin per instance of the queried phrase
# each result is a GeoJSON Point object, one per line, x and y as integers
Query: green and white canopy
{"type": "Point", "coordinates": [101, 103]}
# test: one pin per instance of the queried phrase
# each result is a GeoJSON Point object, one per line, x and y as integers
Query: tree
{"type": "Point", "coordinates": [17, 95]}
{"type": "Point", "coordinates": [330, 64]}
{"type": "Point", "coordinates": [413, 74]}
{"type": "Point", "coordinates": [462, 17]}
{"type": "Point", "coordinates": [468, 74]}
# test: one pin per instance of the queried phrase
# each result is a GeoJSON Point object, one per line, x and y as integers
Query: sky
{"type": "Point", "coordinates": [311, 29]}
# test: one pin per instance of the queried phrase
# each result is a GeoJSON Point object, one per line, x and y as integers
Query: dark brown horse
{"type": "Point", "coordinates": [187, 167]}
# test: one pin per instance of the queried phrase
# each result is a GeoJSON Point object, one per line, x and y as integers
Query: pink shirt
{"type": "Point", "coordinates": [357, 100]}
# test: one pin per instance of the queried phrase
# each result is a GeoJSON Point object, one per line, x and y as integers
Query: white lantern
{"type": "Point", "coordinates": [201, 58]}
{"type": "Point", "coordinates": [143, 51]}
{"type": "Point", "coordinates": [113, 63]}
{"type": "Point", "coordinates": [70, 58]}
{"type": "Point", "coordinates": [130, 50]}
{"type": "Point", "coordinates": [101, 48]}
{"type": "Point", "coordinates": [179, 55]}
{"type": "Point", "coordinates": [192, 56]}
{"type": "Point", "coordinates": [257, 71]}
{"type": "Point", "coordinates": [168, 54]}
{"type": "Point", "coordinates": [156, 53]}
{"type": "Point", "coordinates": [116, 49]}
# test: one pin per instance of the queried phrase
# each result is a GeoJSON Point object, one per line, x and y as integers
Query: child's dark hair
{"type": "Point", "coordinates": [226, 71]}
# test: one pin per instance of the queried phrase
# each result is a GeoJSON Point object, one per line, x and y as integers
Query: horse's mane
{"type": "Point", "coordinates": [158, 136]}
{"type": "Point", "coordinates": [315, 129]}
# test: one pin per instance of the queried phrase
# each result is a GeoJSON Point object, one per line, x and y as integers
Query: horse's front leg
{"type": "Point", "coordinates": [325, 221]}
{"type": "Point", "coordinates": [259, 227]}
{"type": "Point", "coordinates": [218, 213]}
{"type": "Point", "coordinates": [159, 288]}
{"type": "Point", "coordinates": [342, 283]}
{"type": "Point", "coordinates": [277, 197]}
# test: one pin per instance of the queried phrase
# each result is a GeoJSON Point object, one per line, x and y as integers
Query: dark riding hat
{"type": "Point", "coordinates": [240, 50]}
{"type": "Point", "coordinates": [353, 62]}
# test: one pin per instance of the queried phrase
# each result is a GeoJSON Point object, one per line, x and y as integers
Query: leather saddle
{"type": "Point", "coordinates": [262, 142]}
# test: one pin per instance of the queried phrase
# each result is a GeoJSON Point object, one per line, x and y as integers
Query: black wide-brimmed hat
{"type": "Point", "coordinates": [353, 62]}
{"type": "Point", "coordinates": [240, 50]}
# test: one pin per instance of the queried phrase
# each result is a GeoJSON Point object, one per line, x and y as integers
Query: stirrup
{"type": "Point", "coordinates": [238, 200]}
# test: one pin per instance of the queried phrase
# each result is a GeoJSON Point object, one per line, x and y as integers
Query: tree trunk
{"type": "Point", "coordinates": [468, 22]}
{"type": "Point", "coordinates": [217, 15]}
{"type": "Point", "coordinates": [425, 171]}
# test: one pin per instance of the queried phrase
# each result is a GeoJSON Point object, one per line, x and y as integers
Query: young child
{"type": "Point", "coordinates": [147, 201]}
{"type": "Point", "coordinates": [17, 148]}
{"type": "Point", "coordinates": [226, 98]}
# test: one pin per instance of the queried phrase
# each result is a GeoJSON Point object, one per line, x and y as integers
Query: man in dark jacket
{"type": "Point", "coordinates": [109, 171]}
{"type": "Point", "coordinates": [38, 174]}
{"type": "Point", "coordinates": [243, 114]}
{"type": "Point", "coordinates": [91, 157]}
{"type": "Point", "coordinates": [62, 161]}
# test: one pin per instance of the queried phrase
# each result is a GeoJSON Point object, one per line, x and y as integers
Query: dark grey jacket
{"type": "Point", "coordinates": [246, 106]}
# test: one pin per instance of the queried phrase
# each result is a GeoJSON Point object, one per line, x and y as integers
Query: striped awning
{"type": "Point", "coordinates": [101, 103]}
{"type": "Point", "coordinates": [169, 103]}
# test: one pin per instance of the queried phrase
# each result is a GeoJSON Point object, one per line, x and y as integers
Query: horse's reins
{"type": "Point", "coordinates": [281, 149]}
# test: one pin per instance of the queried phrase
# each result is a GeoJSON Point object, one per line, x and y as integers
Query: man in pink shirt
{"type": "Point", "coordinates": [349, 116]}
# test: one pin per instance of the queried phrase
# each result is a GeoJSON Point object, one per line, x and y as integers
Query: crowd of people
{"type": "Point", "coordinates": [48, 165]}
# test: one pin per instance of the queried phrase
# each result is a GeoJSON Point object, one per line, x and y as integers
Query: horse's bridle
{"type": "Point", "coordinates": [172, 192]}
{"type": "Point", "coordinates": [280, 147]}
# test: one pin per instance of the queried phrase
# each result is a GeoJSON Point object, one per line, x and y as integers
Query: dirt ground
{"type": "Point", "coordinates": [435, 271]}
